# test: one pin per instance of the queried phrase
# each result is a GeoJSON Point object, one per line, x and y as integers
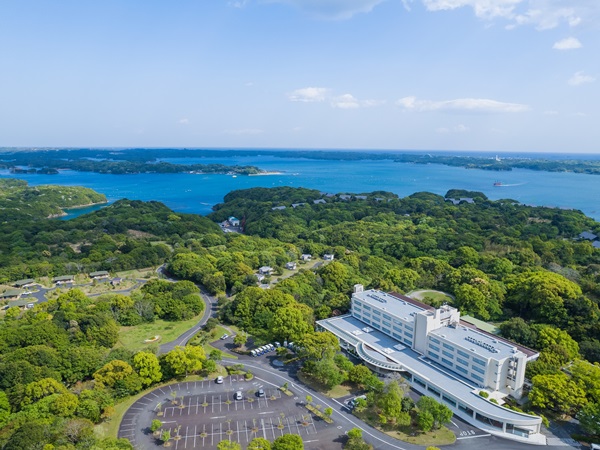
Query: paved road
{"type": "Point", "coordinates": [210, 310]}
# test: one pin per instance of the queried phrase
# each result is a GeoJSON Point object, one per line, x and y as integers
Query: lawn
{"type": "Point", "coordinates": [138, 273]}
{"type": "Point", "coordinates": [336, 392]}
{"type": "Point", "coordinates": [133, 338]}
{"type": "Point", "coordinates": [438, 297]}
{"type": "Point", "coordinates": [410, 434]}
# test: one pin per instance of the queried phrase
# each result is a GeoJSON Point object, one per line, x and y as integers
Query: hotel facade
{"type": "Point", "coordinates": [440, 356]}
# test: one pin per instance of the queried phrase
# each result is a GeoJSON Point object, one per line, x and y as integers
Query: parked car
{"type": "Point", "coordinates": [260, 393]}
{"type": "Point", "coordinates": [219, 380]}
{"type": "Point", "coordinates": [225, 336]}
{"type": "Point", "coordinates": [238, 395]}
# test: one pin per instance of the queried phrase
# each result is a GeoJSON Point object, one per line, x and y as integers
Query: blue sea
{"type": "Point", "coordinates": [194, 193]}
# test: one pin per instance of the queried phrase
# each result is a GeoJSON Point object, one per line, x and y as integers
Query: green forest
{"type": "Point", "coordinates": [523, 268]}
{"type": "Point", "coordinates": [18, 201]}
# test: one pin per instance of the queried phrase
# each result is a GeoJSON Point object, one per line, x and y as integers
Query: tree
{"type": "Point", "coordinates": [290, 323]}
{"type": "Point", "coordinates": [425, 421]}
{"type": "Point", "coordinates": [182, 360]}
{"type": "Point", "coordinates": [288, 442]}
{"type": "Point", "coordinates": [355, 440]}
{"type": "Point", "coordinates": [327, 372]}
{"type": "Point", "coordinates": [155, 426]}
{"type": "Point", "coordinates": [64, 405]}
{"type": "Point", "coordinates": [440, 413]}
{"type": "Point", "coordinates": [556, 392]}
{"type": "Point", "coordinates": [359, 374]}
{"type": "Point", "coordinates": [259, 444]}
{"type": "Point", "coordinates": [228, 445]}
{"type": "Point", "coordinates": [39, 389]}
{"type": "Point", "coordinates": [112, 372]}
{"type": "Point", "coordinates": [589, 418]}
{"type": "Point", "coordinates": [148, 367]}
{"type": "Point", "coordinates": [240, 340]}
{"type": "Point", "coordinates": [319, 345]}
{"type": "Point", "coordinates": [165, 436]}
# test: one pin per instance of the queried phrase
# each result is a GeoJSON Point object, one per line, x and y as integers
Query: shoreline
{"type": "Point", "coordinates": [64, 209]}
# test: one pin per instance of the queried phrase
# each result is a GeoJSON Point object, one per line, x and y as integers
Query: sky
{"type": "Point", "coordinates": [490, 75]}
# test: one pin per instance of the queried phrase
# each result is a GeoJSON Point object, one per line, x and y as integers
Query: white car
{"type": "Point", "coordinates": [219, 380]}
{"type": "Point", "coordinates": [225, 336]}
{"type": "Point", "coordinates": [238, 395]}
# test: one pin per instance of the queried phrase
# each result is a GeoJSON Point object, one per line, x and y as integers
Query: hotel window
{"type": "Point", "coordinates": [448, 354]}
{"type": "Point", "coordinates": [407, 341]}
{"type": "Point", "coordinates": [408, 334]}
{"type": "Point", "coordinates": [434, 340]}
{"type": "Point", "coordinates": [449, 400]}
{"type": "Point", "coordinates": [366, 307]}
{"type": "Point", "coordinates": [366, 321]}
{"type": "Point", "coordinates": [433, 355]}
{"type": "Point", "coordinates": [419, 382]}
{"type": "Point", "coordinates": [387, 317]}
{"type": "Point", "coordinates": [386, 330]}
{"type": "Point", "coordinates": [475, 377]}
{"type": "Point", "coordinates": [397, 328]}
{"type": "Point", "coordinates": [461, 369]}
{"type": "Point", "coordinates": [449, 347]}
{"type": "Point", "coordinates": [447, 362]}
{"type": "Point", "coordinates": [386, 323]}
{"type": "Point", "coordinates": [462, 361]}
{"type": "Point", "coordinates": [479, 361]}
{"type": "Point", "coordinates": [377, 313]}
{"type": "Point", "coordinates": [478, 370]}
{"type": "Point", "coordinates": [433, 391]}
{"type": "Point", "coordinates": [357, 304]}
{"type": "Point", "coordinates": [397, 322]}
{"type": "Point", "coordinates": [397, 336]}
{"type": "Point", "coordinates": [409, 328]}
{"type": "Point", "coordinates": [358, 316]}
{"type": "Point", "coordinates": [434, 347]}
{"type": "Point", "coordinates": [367, 314]}
{"type": "Point", "coordinates": [466, 409]}
{"type": "Point", "coordinates": [463, 354]}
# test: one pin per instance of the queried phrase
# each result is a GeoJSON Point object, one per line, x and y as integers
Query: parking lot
{"type": "Point", "coordinates": [209, 413]}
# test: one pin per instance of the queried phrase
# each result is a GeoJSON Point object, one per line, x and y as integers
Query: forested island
{"type": "Point", "coordinates": [63, 367]}
{"type": "Point", "coordinates": [136, 160]}
{"type": "Point", "coordinates": [117, 163]}
{"type": "Point", "coordinates": [18, 201]}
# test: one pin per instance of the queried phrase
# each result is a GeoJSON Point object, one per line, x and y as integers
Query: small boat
{"type": "Point", "coordinates": [498, 183]}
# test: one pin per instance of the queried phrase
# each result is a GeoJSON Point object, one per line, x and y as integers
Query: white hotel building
{"type": "Point", "coordinates": [440, 356]}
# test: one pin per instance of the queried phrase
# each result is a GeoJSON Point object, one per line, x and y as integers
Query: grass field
{"type": "Point", "coordinates": [336, 392]}
{"type": "Point", "coordinates": [438, 297]}
{"type": "Point", "coordinates": [410, 433]}
{"type": "Point", "coordinates": [139, 273]}
{"type": "Point", "coordinates": [133, 337]}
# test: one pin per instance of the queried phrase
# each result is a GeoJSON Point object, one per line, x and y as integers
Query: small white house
{"type": "Point", "coordinates": [306, 257]}
{"type": "Point", "coordinates": [265, 270]}
{"type": "Point", "coordinates": [328, 257]}
{"type": "Point", "coordinates": [291, 265]}
{"type": "Point", "coordinates": [234, 221]}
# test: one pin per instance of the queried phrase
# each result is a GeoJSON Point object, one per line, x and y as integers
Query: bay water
{"type": "Point", "coordinates": [197, 193]}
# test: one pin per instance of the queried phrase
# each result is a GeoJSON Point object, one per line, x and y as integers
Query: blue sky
{"type": "Point", "coordinates": [505, 75]}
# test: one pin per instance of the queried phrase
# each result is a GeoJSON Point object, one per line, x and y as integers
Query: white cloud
{"type": "Point", "coordinates": [184, 121]}
{"type": "Point", "coordinates": [309, 94]}
{"type": "Point", "coordinates": [485, 9]}
{"type": "Point", "coordinates": [346, 101]}
{"type": "Point", "coordinates": [569, 43]}
{"type": "Point", "coordinates": [238, 3]}
{"type": "Point", "coordinates": [245, 131]}
{"type": "Point", "coordinates": [332, 9]}
{"type": "Point", "coordinates": [542, 14]}
{"type": "Point", "coordinates": [456, 129]}
{"type": "Point", "coordinates": [469, 105]}
{"type": "Point", "coordinates": [580, 78]}
{"type": "Point", "coordinates": [551, 113]}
